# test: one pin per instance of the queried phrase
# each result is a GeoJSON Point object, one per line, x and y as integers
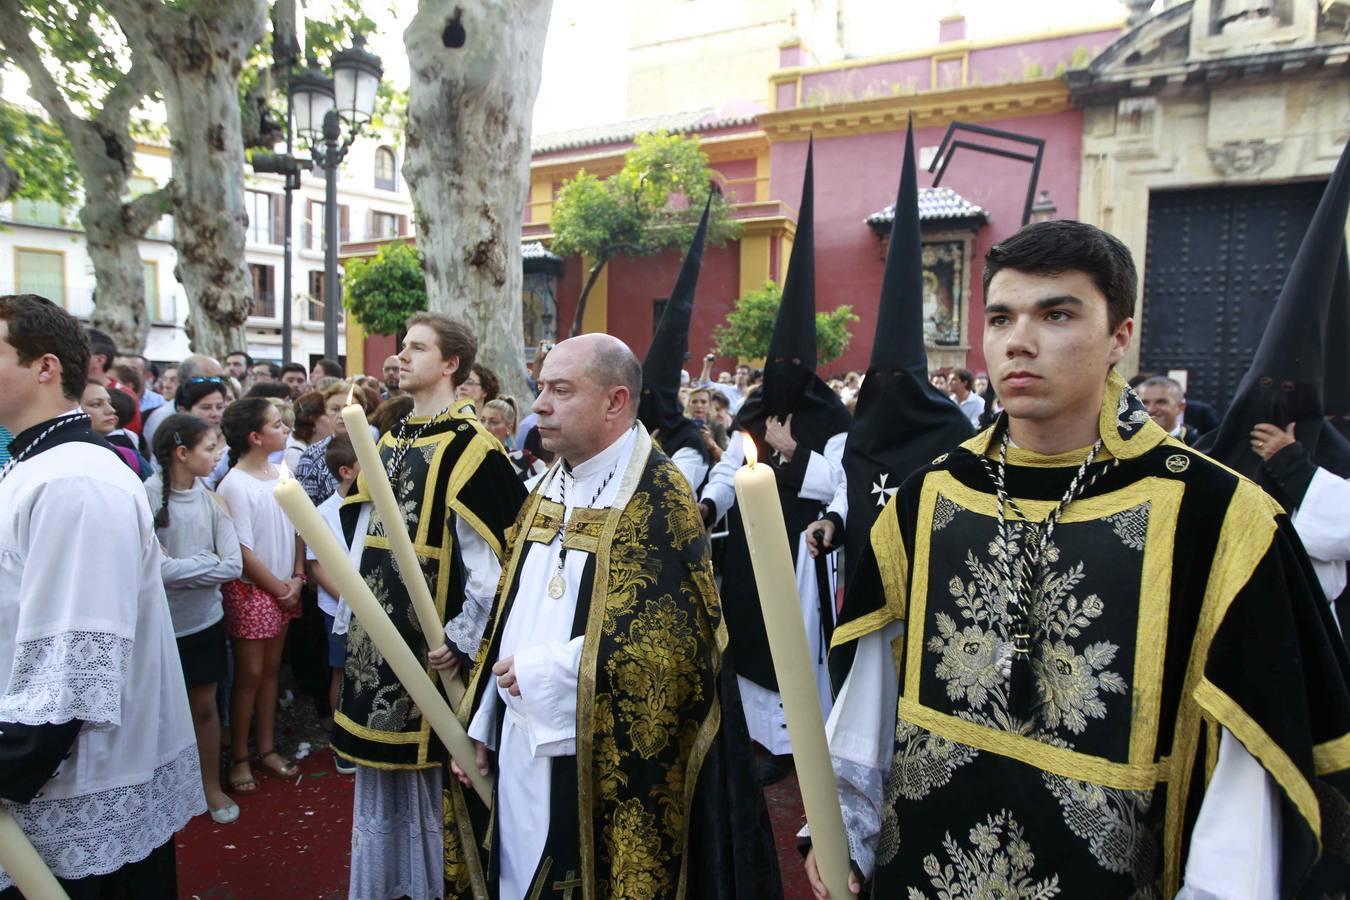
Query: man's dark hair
{"type": "Point", "coordinates": [269, 389]}
{"type": "Point", "coordinates": [329, 368]}
{"type": "Point", "coordinates": [272, 368]}
{"type": "Point", "coordinates": [454, 338]}
{"type": "Point", "coordinates": [248, 360]}
{"type": "Point", "coordinates": [1063, 245]}
{"type": "Point", "coordinates": [37, 326]}
{"type": "Point", "coordinates": [130, 377]}
{"type": "Point", "coordinates": [964, 376]}
{"type": "Point", "coordinates": [101, 342]}
{"type": "Point", "coordinates": [294, 367]}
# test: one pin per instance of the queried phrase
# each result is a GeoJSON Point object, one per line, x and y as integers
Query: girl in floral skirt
{"type": "Point", "coordinates": [260, 605]}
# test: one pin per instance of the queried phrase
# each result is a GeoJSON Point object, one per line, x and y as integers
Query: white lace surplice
{"type": "Point", "coordinates": [83, 624]}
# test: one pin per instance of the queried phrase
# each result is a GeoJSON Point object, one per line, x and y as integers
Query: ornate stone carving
{"type": "Point", "coordinates": [1243, 158]}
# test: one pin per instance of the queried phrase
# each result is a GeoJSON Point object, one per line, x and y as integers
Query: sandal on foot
{"type": "Point", "coordinates": [247, 785]}
{"type": "Point", "coordinates": [288, 769]}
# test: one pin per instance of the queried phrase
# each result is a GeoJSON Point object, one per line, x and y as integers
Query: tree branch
{"type": "Point", "coordinates": [9, 181]}
{"type": "Point", "coordinates": [125, 96]}
{"type": "Point", "coordinates": [147, 209]}
{"type": "Point", "coordinates": [25, 54]}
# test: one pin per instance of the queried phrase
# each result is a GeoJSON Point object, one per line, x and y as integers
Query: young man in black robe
{"type": "Point", "coordinates": [1082, 659]}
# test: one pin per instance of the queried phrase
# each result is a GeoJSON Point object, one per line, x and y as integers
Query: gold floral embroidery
{"type": "Point", "coordinates": [633, 565]}
{"type": "Point", "coordinates": [923, 763]}
{"type": "Point", "coordinates": [456, 866]}
{"type": "Point", "coordinates": [944, 511]}
{"type": "Point", "coordinates": [636, 866]}
{"type": "Point", "coordinates": [653, 674]}
{"type": "Point", "coordinates": [609, 775]}
{"type": "Point", "coordinates": [1113, 822]}
{"type": "Point", "coordinates": [998, 865]}
{"type": "Point", "coordinates": [1131, 525]}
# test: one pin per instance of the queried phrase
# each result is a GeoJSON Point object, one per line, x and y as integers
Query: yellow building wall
{"type": "Point", "coordinates": [596, 317]}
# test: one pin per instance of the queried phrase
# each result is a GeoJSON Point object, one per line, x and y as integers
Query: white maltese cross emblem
{"type": "Point", "coordinates": [883, 493]}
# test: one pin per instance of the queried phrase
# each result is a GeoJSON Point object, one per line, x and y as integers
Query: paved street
{"type": "Point", "coordinates": [291, 840]}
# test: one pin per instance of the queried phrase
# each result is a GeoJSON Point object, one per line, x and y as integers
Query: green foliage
{"type": "Point", "coordinates": [39, 154]}
{"type": "Point", "coordinates": [654, 202]}
{"type": "Point", "coordinates": [749, 327]}
{"type": "Point", "coordinates": [384, 291]}
{"type": "Point", "coordinates": [85, 46]}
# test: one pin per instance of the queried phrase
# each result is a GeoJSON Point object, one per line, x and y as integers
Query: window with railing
{"type": "Point", "coordinates": [386, 169]}
{"type": "Point", "coordinates": [39, 212]}
{"type": "Point", "coordinates": [384, 226]}
{"type": "Point", "coordinates": [311, 230]}
{"type": "Point", "coordinates": [314, 307]}
{"type": "Point", "coordinates": [264, 291]}
{"type": "Point", "coordinates": [41, 272]}
{"type": "Point", "coordinates": [264, 226]}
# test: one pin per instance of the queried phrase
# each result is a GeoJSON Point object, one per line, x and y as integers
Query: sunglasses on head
{"type": "Point", "coordinates": [197, 379]}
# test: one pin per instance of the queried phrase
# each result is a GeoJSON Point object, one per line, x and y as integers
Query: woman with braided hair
{"type": "Point", "coordinates": [201, 553]}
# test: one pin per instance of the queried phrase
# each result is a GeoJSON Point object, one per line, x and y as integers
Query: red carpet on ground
{"type": "Point", "coordinates": [292, 841]}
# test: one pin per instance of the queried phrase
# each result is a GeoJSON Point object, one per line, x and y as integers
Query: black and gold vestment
{"type": "Point", "coordinates": [455, 468]}
{"type": "Point", "coordinates": [660, 799]}
{"type": "Point", "coordinates": [1176, 602]}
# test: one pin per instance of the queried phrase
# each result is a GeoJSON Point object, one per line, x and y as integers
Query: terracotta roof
{"type": "Point", "coordinates": [935, 204]}
{"type": "Point", "coordinates": [675, 123]}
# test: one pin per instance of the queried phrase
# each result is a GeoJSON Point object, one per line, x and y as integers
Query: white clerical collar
{"type": "Point", "coordinates": [1176, 432]}
{"type": "Point", "coordinates": [602, 462]}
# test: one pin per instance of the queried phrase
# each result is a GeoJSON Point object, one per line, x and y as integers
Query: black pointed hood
{"type": "Point", "coordinates": [791, 385]}
{"type": "Point", "coordinates": [1336, 388]}
{"type": "Point", "coordinates": [792, 347]}
{"type": "Point", "coordinates": [901, 422]}
{"type": "Point", "coordinates": [659, 407]}
{"type": "Point", "coordinates": [1286, 380]}
{"type": "Point", "coordinates": [899, 343]}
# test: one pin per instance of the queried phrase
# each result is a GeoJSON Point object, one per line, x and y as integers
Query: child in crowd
{"type": "Point", "coordinates": [260, 605]}
{"type": "Point", "coordinates": [205, 398]}
{"type": "Point", "coordinates": [340, 458]}
{"type": "Point", "coordinates": [201, 552]}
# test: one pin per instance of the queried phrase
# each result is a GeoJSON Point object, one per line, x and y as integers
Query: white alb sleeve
{"type": "Point", "coordinates": [481, 571]}
{"type": "Point", "coordinates": [1235, 845]}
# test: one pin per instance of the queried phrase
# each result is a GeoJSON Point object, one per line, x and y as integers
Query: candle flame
{"type": "Point", "coordinates": [351, 395]}
{"type": "Point", "coordinates": [751, 454]}
{"type": "Point", "coordinates": [284, 473]}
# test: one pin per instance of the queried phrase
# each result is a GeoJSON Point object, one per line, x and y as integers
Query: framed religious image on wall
{"type": "Point", "coordinates": [945, 288]}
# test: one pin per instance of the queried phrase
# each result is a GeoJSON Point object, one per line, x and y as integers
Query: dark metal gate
{"type": "Point", "coordinates": [1217, 259]}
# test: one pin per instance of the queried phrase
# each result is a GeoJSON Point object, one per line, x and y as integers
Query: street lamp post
{"type": "Point", "coordinates": [322, 104]}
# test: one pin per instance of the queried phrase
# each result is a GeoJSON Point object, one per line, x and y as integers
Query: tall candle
{"type": "Point", "coordinates": [23, 865]}
{"type": "Point", "coordinates": [354, 590]}
{"type": "Point", "coordinates": [770, 557]}
{"type": "Point", "coordinates": [396, 531]}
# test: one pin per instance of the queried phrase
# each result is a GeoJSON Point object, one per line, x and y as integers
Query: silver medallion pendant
{"type": "Point", "coordinates": [556, 586]}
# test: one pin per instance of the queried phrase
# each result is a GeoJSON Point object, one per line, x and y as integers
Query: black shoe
{"type": "Point", "coordinates": [774, 769]}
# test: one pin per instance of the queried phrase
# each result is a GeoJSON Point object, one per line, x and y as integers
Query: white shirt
{"type": "Point", "coordinates": [328, 511]}
{"type": "Point", "coordinates": [261, 524]}
{"type": "Point", "coordinates": [824, 473]}
{"type": "Point", "coordinates": [1324, 527]}
{"type": "Point", "coordinates": [85, 634]}
{"type": "Point", "coordinates": [542, 722]}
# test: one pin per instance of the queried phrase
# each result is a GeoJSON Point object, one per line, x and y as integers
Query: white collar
{"type": "Point", "coordinates": [607, 458]}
